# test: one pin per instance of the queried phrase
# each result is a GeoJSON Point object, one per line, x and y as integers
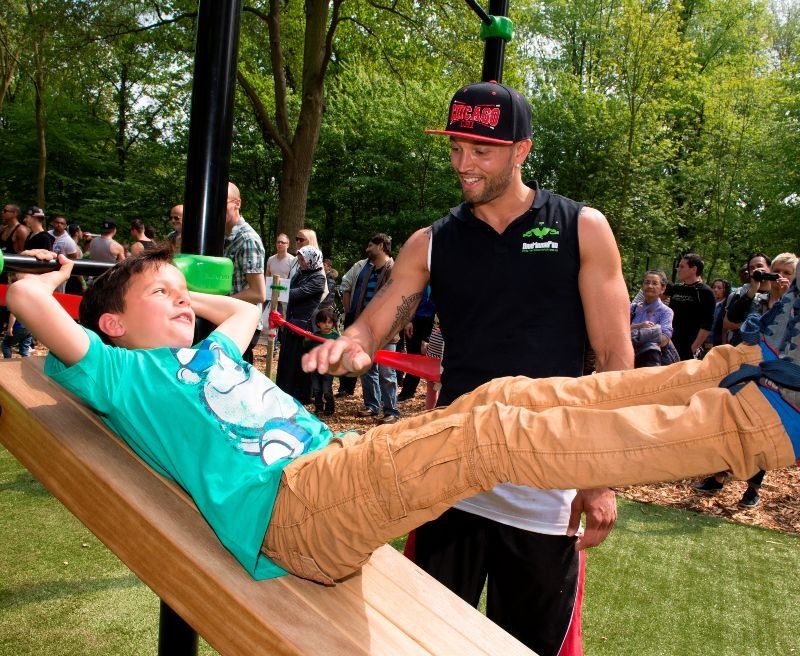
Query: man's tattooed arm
{"type": "Point", "coordinates": [404, 313]}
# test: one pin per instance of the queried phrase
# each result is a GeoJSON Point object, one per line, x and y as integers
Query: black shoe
{"type": "Point", "coordinates": [389, 419]}
{"type": "Point", "coordinates": [750, 498]}
{"type": "Point", "coordinates": [709, 485]}
{"type": "Point", "coordinates": [341, 395]}
{"type": "Point", "coordinates": [366, 412]}
{"type": "Point", "coordinates": [404, 397]}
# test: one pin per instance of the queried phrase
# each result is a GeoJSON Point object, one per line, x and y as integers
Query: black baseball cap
{"type": "Point", "coordinates": [107, 226]}
{"type": "Point", "coordinates": [490, 112]}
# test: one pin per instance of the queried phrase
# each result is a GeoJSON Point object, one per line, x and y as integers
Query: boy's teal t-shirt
{"type": "Point", "coordinates": [206, 419]}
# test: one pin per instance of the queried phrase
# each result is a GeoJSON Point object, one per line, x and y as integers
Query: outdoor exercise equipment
{"type": "Point", "coordinates": [410, 363]}
{"type": "Point", "coordinates": [203, 273]}
{"type": "Point", "coordinates": [496, 30]}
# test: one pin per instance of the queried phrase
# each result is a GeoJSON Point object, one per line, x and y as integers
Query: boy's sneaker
{"type": "Point", "coordinates": [709, 485]}
{"type": "Point", "coordinates": [750, 498]}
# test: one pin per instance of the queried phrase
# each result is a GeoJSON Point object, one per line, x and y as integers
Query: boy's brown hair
{"type": "Point", "coordinates": [107, 291]}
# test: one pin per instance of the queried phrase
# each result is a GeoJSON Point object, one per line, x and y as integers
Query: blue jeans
{"type": "Point", "coordinates": [22, 338]}
{"type": "Point", "coordinates": [379, 385]}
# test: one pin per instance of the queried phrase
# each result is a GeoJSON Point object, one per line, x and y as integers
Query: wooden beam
{"type": "Point", "coordinates": [391, 607]}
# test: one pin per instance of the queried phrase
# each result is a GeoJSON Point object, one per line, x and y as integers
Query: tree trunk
{"type": "Point", "coordinates": [41, 129]}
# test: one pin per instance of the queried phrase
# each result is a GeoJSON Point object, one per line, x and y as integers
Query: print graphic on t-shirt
{"type": "Point", "coordinates": [258, 417]}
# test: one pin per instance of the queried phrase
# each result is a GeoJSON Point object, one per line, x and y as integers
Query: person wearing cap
{"type": "Point", "coordinates": [13, 232]}
{"type": "Point", "coordinates": [37, 237]}
{"type": "Point", "coordinates": [105, 248]}
{"type": "Point", "coordinates": [557, 285]}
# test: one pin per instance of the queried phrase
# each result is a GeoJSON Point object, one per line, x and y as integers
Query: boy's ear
{"type": "Point", "coordinates": [111, 324]}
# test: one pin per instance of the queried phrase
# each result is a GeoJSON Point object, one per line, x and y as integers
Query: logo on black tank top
{"type": "Point", "coordinates": [545, 239]}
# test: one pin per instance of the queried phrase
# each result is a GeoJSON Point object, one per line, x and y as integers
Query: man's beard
{"type": "Point", "coordinates": [493, 187]}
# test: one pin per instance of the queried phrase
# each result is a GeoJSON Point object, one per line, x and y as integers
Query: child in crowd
{"type": "Point", "coordinates": [283, 493]}
{"type": "Point", "coordinates": [322, 384]}
{"type": "Point", "coordinates": [17, 335]}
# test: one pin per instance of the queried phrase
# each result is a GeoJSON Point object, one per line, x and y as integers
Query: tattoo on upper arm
{"type": "Point", "coordinates": [405, 311]}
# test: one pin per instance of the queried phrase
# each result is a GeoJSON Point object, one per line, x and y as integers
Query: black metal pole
{"type": "Point", "coordinates": [175, 636]}
{"type": "Point", "coordinates": [206, 190]}
{"type": "Point", "coordinates": [494, 48]}
{"type": "Point", "coordinates": [211, 126]}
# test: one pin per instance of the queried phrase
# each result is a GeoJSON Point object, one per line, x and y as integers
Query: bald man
{"type": "Point", "coordinates": [243, 246]}
{"type": "Point", "coordinates": [176, 218]}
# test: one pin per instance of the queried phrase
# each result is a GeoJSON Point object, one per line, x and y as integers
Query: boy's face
{"type": "Point", "coordinates": [157, 312]}
{"type": "Point", "coordinates": [325, 325]}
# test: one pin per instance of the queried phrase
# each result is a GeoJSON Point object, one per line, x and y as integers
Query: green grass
{"type": "Point", "coordinates": [665, 582]}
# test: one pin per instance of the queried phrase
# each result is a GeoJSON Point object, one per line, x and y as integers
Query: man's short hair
{"type": "Point", "coordinates": [753, 256]}
{"type": "Point", "coordinates": [14, 209]}
{"type": "Point", "coordinates": [383, 240]}
{"type": "Point", "coordinates": [694, 260]}
{"type": "Point", "coordinates": [107, 292]}
{"type": "Point", "coordinates": [138, 225]}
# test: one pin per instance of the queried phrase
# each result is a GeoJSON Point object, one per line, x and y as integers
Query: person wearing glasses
{"type": "Point", "coordinates": [14, 233]}
{"type": "Point", "coordinates": [176, 219]}
{"type": "Point", "coordinates": [243, 246]}
{"type": "Point", "coordinates": [281, 263]}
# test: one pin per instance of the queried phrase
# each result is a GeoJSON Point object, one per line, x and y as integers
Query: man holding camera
{"type": "Point", "coordinates": [693, 303]}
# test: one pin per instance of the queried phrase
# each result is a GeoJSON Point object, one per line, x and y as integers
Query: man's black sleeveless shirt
{"type": "Point", "coordinates": [509, 303]}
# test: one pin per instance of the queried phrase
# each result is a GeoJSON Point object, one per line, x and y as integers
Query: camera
{"type": "Point", "coordinates": [760, 276]}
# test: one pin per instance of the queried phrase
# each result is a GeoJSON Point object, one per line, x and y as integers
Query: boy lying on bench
{"type": "Point", "coordinates": [283, 493]}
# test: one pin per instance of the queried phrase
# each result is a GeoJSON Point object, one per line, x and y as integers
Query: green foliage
{"type": "Point", "coordinates": [678, 120]}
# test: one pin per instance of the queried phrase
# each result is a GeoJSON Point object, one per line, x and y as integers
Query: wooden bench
{"type": "Point", "coordinates": [391, 607]}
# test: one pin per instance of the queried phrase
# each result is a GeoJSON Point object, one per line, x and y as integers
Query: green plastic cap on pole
{"type": "Point", "coordinates": [499, 27]}
{"type": "Point", "coordinates": [206, 274]}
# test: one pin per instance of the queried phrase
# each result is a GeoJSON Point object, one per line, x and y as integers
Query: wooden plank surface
{"type": "Point", "coordinates": [391, 607]}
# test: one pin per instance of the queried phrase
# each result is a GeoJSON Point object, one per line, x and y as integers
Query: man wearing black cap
{"type": "Point", "coordinates": [105, 248]}
{"type": "Point", "coordinates": [557, 285]}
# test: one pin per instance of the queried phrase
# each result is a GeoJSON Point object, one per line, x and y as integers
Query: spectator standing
{"type": "Point", "coordinates": [756, 298]}
{"type": "Point", "coordinates": [280, 264]}
{"type": "Point", "coordinates": [693, 304]}
{"type": "Point", "coordinates": [418, 330]}
{"type": "Point", "coordinates": [329, 302]}
{"type": "Point", "coordinates": [37, 237]}
{"type": "Point", "coordinates": [14, 232]}
{"type": "Point", "coordinates": [322, 384]}
{"type": "Point", "coordinates": [18, 335]}
{"type": "Point", "coordinates": [63, 241]}
{"type": "Point", "coordinates": [105, 248]}
{"type": "Point", "coordinates": [730, 326]}
{"type": "Point", "coordinates": [176, 219]}
{"type": "Point", "coordinates": [305, 292]}
{"type": "Point", "coordinates": [558, 276]}
{"type": "Point", "coordinates": [347, 384]}
{"type": "Point", "coordinates": [379, 383]}
{"type": "Point", "coordinates": [243, 246]}
{"type": "Point", "coordinates": [141, 242]}
{"type": "Point", "coordinates": [651, 323]}
{"type": "Point", "coordinates": [722, 290]}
